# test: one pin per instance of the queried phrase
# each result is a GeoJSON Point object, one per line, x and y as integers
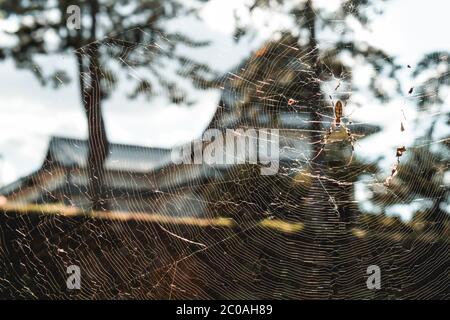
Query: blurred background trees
{"type": "Point", "coordinates": [326, 41]}
{"type": "Point", "coordinates": [135, 35]}
{"type": "Point", "coordinates": [132, 35]}
{"type": "Point", "coordinates": [327, 46]}
{"type": "Point", "coordinates": [293, 234]}
{"type": "Point", "coordinates": [422, 176]}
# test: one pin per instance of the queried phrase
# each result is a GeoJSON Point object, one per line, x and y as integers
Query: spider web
{"type": "Point", "coordinates": [186, 231]}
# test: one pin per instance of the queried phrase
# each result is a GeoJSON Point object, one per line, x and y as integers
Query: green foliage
{"type": "Point", "coordinates": [327, 47]}
{"type": "Point", "coordinates": [422, 171]}
{"type": "Point", "coordinates": [436, 68]}
{"type": "Point", "coordinates": [330, 35]}
{"type": "Point", "coordinates": [126, 33]}
{"type": "Point", "coordinates": [130, 35]}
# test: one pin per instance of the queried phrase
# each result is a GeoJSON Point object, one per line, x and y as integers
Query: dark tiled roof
{"type": "Point", "coordinates": [69, 152]}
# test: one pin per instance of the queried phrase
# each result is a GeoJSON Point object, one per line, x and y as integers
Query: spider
{"type": "Point", "coordinates": [338, 131]}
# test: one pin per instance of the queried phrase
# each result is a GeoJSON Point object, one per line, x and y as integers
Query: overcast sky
{"type": "Point", "coordinates": [30, 114]}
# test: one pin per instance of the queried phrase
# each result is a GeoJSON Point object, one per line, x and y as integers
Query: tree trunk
{"type": "Point", "coordinates": [98, 143]}
{"type": "Point", "coordinates": [91, 94]}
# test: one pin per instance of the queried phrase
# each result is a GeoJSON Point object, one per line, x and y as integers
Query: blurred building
{"type": "Point", "coordinates": [268, 90]}
{"type": "Point", "coordinates": [131, 176]}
